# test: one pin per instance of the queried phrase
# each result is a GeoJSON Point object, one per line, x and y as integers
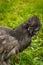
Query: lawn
{"type": "Point", "coordinates": [15, 12]}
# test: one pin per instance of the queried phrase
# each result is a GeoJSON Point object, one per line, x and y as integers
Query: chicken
{"type": "Point", "coordinates": [13, 41]}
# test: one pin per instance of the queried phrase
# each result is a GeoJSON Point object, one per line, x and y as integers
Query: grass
{"type": "Point", "coordinates": [14, 12]}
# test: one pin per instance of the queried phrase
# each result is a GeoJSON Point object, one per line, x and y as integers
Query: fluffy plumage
{"type": "Point", "coordinates": [13, 41]}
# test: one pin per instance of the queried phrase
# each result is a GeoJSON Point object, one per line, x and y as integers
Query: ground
{"type": "Point", "coordinates": [15, 12]}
